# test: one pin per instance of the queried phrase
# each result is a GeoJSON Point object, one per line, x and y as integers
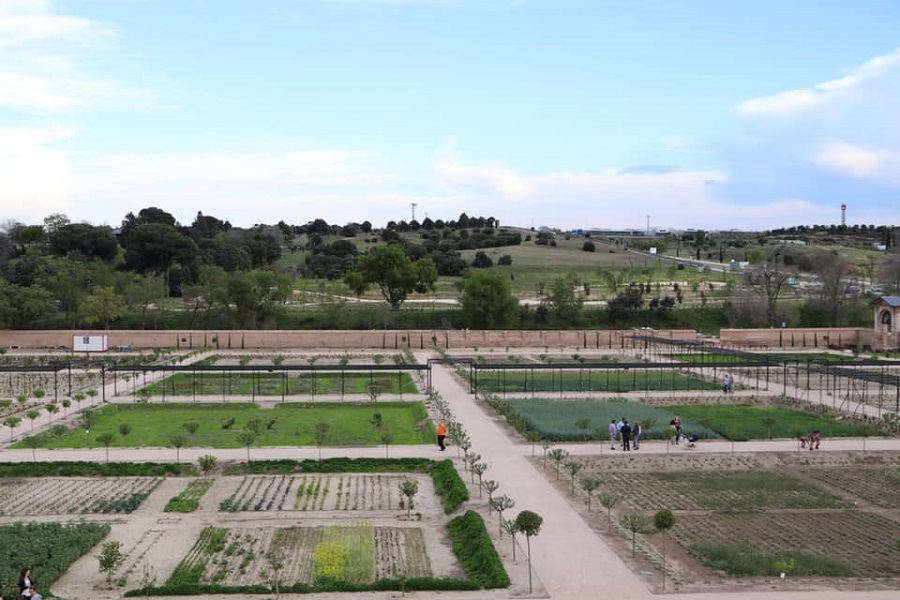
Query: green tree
{"type": "Point", "coordinates": [12, 422]}
{"type": "Point", "coordinates": [247, 438]}
{"type": "Point", "coordinates": [664, 520]}
{"type": "Point", "coordinates": [529, 523]}
{"type": "Point", "coordinates": [51, 408]}
{"type": "Point", "coordinates": [409, 488]}
{"type": "Point", "coordinates": [110, 558]}
{"type": "Point", "coordinates": [177, 441]}
{"type": "Point", "coordinates": [276, 557]}
{"type": "Point", "coordinates": [573, 466]}
{"type": "Point", "coordinates": [207, 464]}
{"type": "Point", "coordinates": [487, 301]}
{"type": "Point", "coordinates": [20, 306]}
{"type": "Point", "coordinates": [32, 415]}
{"type": "Point", "coordinates": [589, 484]}
{"type": "Point", "coordinates": [142, 291]}
{"type": "Point", "coordinates": [636, 524]}
{"type": "Point", "coordinates": [501, 504]}
{"type": "Point", "coordinates": [394, 273]}
{"type": "Point", "coordinates": [563, 299]}
{"type": "Point", "coordinates": [102, 306]}
{"type": "Point", "coordinates": [106, 439]}
{"type": "Point", "coordinates": [34, 442]}
{"type": "Point", "coordinates": [557, 455]}
{"type": "Point", "coordinates": [609, 501]}
{"type": "Point", "coordinates": [321, 433]}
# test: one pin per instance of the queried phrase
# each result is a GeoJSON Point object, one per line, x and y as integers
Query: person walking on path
{"type": "Point", "coordinates": [613, 432]}
{"type": "Point", "coordinates": [676, 423]}
{"type": "Point", "coordinates": [636, 435]}
{"type": "Point", "coordinates": [626, 435]}
{"type": "Point", "coordinates": [441, 435]}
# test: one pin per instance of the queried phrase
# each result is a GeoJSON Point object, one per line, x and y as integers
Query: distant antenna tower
{"type": "Point", "coordinates": [843, 215]}
{"type": "Point", "coordinates": [414, 205]}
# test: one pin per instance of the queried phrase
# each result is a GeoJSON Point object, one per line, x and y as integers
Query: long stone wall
{"type": "Point", "coordinates": [342, 340]}
{"type": "Point", "coordinates": [809, 338]}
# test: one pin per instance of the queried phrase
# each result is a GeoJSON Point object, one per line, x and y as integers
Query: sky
{"type": "Point", "coordinates": [705, 114]}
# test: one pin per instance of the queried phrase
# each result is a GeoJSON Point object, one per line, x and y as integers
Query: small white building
{"type": "Point", "coordinates": [90, 342]}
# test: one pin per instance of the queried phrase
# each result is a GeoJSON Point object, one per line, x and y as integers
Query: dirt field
{"type": "Point", "coordinates": [837, 505]}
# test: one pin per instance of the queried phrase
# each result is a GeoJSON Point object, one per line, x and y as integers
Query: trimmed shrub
{"type": "Point", "coordinates": [475, 551]}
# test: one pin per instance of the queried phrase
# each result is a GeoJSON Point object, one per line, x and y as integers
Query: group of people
{"type": "Point", "coordinates": [812, 440]}
{"type": "Point", "coordinates": [629, 435]}
{"type": "Point", "coordinates": [27, 586]}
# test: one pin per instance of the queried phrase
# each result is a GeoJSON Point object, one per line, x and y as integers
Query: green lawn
{"type": "Point", "coordinates": [746, 422]}
{"type": "Point", "coordinates": [274, 384]}
{"type": "Point", "coordinates": [583, 380]}
{"type": "Point", "coordinates": [558, 420]}
{"type": "Point", "coordinates": [294, 425]}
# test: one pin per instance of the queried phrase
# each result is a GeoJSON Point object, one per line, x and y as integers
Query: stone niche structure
{"type": "Point", "coordinates": [887, 314]}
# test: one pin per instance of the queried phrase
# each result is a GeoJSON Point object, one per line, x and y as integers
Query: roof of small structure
{"type": "Point", "coordinates": [892, 301]}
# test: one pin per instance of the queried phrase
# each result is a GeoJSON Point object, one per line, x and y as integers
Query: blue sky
{"type": "Point", "coordinates": [567, 113]}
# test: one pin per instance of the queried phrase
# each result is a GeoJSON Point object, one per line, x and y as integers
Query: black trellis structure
{"type": "Point", "coordinates": [861, 382]}
{"type": "Point", "coordinates": [62, 373]}
{"type": "Point", "coordinates": [226, 371]}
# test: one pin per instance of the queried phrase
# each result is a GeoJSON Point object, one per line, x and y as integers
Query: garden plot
{"type": "Point", "coordinates": [327, 492]}
{"type": "Point", "coordinates": [237, 556]}
{"type": "Point", "coordinates": [731, 491]}
{"type": "Point", "coordinates": [863, 541]}
{"type": "Point", "coordinates": [74, 495]}
{"type": "Point", "coordinates": [881, 487]}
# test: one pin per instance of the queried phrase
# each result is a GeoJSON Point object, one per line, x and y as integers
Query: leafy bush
{"type": "Point", "coordinates": [47, 548]}
{"type": "Point", "coordinates": [189, 500]}
{"type": "Point", "coordinates": [125, 504]}
{"type": "Point", "coordinates": [449, 485]}
{"type": "Point", "coordinates": [475, 551]}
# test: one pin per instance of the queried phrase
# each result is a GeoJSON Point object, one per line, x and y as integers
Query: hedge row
{"type": "Point", "coordinates": [95, 469]}
{"type": "Point", "coordinates": [382, 585]}
{"type": "Point", "coordinates": [475, 551]}
{"type": "Point", "coordinates": [449, 485]}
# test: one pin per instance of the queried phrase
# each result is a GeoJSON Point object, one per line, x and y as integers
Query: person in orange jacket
{"type": "Point", "coordinates": [441, 434]}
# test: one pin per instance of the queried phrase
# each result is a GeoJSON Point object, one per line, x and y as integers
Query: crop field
{"type": "Point", "coordinates": [863, 543]}
{"type": "Point", "coordinates": [220, 425]}
{"type": "Point", "coordinates": [745, 422]}
{"type": "Point", "coordinates": [589, 380]}
{"type": "Point", "coordinates": [73, 495]}
{"type": "Point", "coordinates": [880, 486]}
{"type": "Point", "coordinates": [574, 420]}
{"type": "Point", "coordinates": [319, 492]}
{"type": "Point", "coordinates": [578, 420]}
{"type": "Point", "coordinates": [276, 384]}
{"type": "Point", "coordinates": [740, 515]}
{"type": "Point", "coordinates": [358, 552]}
{"type": "Point", "coordinates": [720, 491]}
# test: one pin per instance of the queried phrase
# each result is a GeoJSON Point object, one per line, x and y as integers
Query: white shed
{"type": "Point", "coordinates": [90, 343]}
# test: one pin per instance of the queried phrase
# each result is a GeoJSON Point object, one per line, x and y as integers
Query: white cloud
{"type": "Point", "coordinates": [483, 178]}
{"type": "Point", "coordinates": [44, 58]}
{"type": "Point", "coordinates": [876, 164]}
{"type": "Point", "coordinates": [794, 102]}
{"type": "Point", "coordinates": [33, 171]}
